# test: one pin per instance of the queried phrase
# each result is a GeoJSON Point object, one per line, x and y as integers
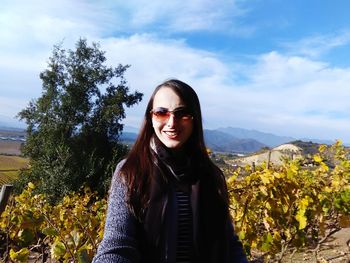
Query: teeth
{"type": "Point", "coordinates": [171, 133]}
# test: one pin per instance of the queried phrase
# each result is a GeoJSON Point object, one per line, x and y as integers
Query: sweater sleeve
{"type": "Point", "coordinates": [237, 254]}
{"type": "Point", "coordinates": [119, 243]}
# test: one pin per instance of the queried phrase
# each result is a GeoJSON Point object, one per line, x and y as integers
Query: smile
{"type": "Point", "coordinates": [171, 134]}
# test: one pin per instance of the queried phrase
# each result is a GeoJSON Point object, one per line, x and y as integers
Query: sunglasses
{"type": "Point", "coordinates": [163, 114]}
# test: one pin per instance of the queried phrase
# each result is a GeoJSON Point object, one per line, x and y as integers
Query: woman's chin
{"type": "Point", "coordinates": [172, 144]}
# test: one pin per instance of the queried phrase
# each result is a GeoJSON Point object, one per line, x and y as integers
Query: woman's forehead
{"type": "Point", "coordinates": [166, 97]}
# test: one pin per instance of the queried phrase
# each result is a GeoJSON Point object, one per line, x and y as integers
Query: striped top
{"type": "Point", "coordinates": [185, 227]}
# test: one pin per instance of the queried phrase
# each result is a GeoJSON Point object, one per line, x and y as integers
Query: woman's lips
{"type": "Point", "coordinates": [171, 134]}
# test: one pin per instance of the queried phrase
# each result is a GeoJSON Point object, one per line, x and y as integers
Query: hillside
{"type": "Point", "coordinates": [268, 139]}
{"type": "Point", "coordinates": [307, 147]}
{"type": "Point", "coordinates": [223, 142]}
{"type": "Point", "coordinates": [12, 134]}
{"type": "Point", "coordinates": [215, 140]}
{"type": "Point", "coordinates": [238, 140]}
{"type": "Point", "coordinates": [227, 140]}
{"type": "Point", "coordinates": [11, 140]}
{"type": "Point", "coordinates": [10, 166]}
{"type": "Point", "coordinates": [275, 155]}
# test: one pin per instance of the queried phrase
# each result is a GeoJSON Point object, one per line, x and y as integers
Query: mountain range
{"type": "Point", "coordinates": [267, 139]}
{"type": "Point", "coordinates": [233, 140]}
{"type": "Point", "coordinates": [226, 139]}
{"type": "Point", "coordinates": [220, 141]}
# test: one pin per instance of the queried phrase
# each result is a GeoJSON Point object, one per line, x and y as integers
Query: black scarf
{"type": "Point", "coordinates": [179, 165]}
{"type": "Point", "coordinates": [179, 170]}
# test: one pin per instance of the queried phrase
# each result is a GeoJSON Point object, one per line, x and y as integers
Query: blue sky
{"type": "Point", "coordinates": [276, 66]}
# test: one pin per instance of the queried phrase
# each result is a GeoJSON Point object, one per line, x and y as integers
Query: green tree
{"type": "Point", "coordinates": [74, 127]}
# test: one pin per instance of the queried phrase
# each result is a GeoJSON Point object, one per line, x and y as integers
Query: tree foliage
{"type": "Point", "coordinates": [73, 128]}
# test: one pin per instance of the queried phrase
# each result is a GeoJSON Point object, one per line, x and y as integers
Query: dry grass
{"type": "Point", "coordinates": [10, 166]}
{"type": "Point", "coordinates": [10, 147]}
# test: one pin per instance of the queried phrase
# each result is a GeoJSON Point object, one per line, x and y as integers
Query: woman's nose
{"type": "Point", "coordinates": [171, 121]}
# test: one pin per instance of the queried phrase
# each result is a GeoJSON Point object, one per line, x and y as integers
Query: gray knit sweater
{"type": "Point", "coordinates": [120, 241]}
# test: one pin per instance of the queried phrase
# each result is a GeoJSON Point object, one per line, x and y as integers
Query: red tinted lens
{"type": "Point", "coordinates": [182, 114]}
{"type": "Point", "coordinates": [161, 114]}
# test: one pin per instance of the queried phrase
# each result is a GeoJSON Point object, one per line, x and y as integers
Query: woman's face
{"type": "Point", "coordinates": [173, 129]}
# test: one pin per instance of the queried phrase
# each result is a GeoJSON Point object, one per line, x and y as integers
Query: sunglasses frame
{"type": "Point", "coordinates": [165, 114]}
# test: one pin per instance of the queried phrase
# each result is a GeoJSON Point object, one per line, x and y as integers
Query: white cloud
{"type": "Point", "coordinates": [181, 15]}
{"type": "Point", "coordinates": [317, 45]}
{"type": "Point", "coordinates": [282, 90]}
{"type": "Point", "coordinates": [29, 29]}
{"type": "Point", "coordinates": [279, 92]}
{"type": "Point", "coordinates": [50, 19]}
{"type": "Point", "coordinates": [274, 70]}
{"type": "Point", "coordinates": [288, 94]}
{"type": "Point", "coordinates": [154, 60]}
{"type": "Point", "coordinates": [306, 83]}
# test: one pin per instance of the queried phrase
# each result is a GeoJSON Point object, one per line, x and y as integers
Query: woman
{"type": "Point", "coordinates": [168, 202]}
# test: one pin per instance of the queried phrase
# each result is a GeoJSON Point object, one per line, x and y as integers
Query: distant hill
{"type": "Point", "coordinates": [229, 139]}
{"type": "Point", "coordinates": [291, 150]}
{"type": "Point", "coordinates": [130, 129]}
{"type": "Point", "coordinates": [238, 140]}
{"type": "Point", "coordinates": [307, 147]}
{"type": "Point", "coordinates": [11, 129]}
{"type": "Point", "coordinates": [224, 142]}
{"type": "Point", "coordinates": [216, 141]}
{"type": "Point", "coordinates": [12, 134]}
{"type": "Point", "coordinates": [275, 155]}
{"type": "Point", "coordinates": [128, 136]}
{"type": "Point", "coordinates": [268, 139]}
{"type": "Point", "coordinates": [11, 123]}
{"type": "Point", "coordinates": [329, 142]}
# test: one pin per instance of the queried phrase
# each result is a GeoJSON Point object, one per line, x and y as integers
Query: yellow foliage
{"type": "Point", "coordinates": [317, 158]}
{"type": "Point", "coordinates": [271, 207]}
{"type": "Point", "coordinates": [285, 205]}
{"type": "Point", "coordinates": [19, 256]}
{"type": "Point", "coordinates": [73, 228]}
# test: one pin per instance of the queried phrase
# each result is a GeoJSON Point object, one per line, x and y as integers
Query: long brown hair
{"type": "Point", "coordinates": [139, 166]}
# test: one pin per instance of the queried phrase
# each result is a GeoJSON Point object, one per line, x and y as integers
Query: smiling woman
{"type": "Point", "coordinates": [168, 202]}
{"type": "Point", "coordinates": [172, 127]}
